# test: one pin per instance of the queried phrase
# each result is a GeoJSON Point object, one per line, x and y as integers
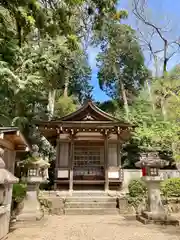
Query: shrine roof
{"type": "Point", "coordinates": [12, 138]}
{"type": "Point", "coordinates": [89, 113]}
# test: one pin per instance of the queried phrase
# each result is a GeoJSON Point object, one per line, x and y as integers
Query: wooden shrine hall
{"type": "Point", "coordinates": [88, 148]}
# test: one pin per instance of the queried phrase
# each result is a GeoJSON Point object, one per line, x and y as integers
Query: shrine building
{"type": "Point", "coordinates": [88, 148]}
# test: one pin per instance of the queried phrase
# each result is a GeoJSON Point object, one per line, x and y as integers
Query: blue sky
{"type": "Point", "coordinates": [161, 11]}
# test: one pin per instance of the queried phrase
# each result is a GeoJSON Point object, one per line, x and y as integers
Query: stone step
{"type": "Point", "coordinates": [90, 199]}
{"type": "Point", "coordinates": [91, 211]}
{"type": "Point", "coordinates": [89, 193]}
{"type": "Point", "coordinates": [90, 205]}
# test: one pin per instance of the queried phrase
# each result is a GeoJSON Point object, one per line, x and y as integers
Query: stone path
{"type": "Point", "coordinates": [94, 228]}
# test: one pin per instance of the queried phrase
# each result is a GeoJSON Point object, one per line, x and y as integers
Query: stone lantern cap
{"type": "Point", "coordinates": [151, 163]}
{"type": "Point", "coordinates": [40, 163]}
{"type": "Point", "coordinates": [151, 160]}
{"type": "Point", "coordinates": [35, 162]}
{"type": "Point", "coordinates": [2, 164]}
{"type": "Point", "coordinates": [5, 176]}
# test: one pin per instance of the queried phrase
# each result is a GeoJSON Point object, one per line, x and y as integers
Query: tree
{"type": "Point", "coordinates": [23, 16]}
{"type": "Point", "coordinates": [43, 57]}
{"type": "Point", "coordinates": [154, 36]}
{"type": "Point", "coordinates": [152, 131]}
{"type": "Point", "coordinates": [121, 64]}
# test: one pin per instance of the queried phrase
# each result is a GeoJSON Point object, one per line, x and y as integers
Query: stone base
{"type": "Point", "coordinates": [31, 210]}
{"type": "Point", "coordinates": [33, 216]}
{"type": "Point", "coordinates": [27, 224]}
{"type": "Point", "coordinates": [163, 219]}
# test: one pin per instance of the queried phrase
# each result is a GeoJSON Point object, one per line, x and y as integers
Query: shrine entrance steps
{"type": "Point", "coordinates": [90, 203]}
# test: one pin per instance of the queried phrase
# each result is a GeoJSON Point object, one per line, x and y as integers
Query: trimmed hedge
{"type": "Point", "coordinates": [171, 187]}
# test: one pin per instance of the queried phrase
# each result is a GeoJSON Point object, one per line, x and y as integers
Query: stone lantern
{"type": "Point", "coordinates": [151, 163]}
{"type": "Point", "coordinates": [37, 174]}
{"type": "Point", "coordinates": [6, 181]}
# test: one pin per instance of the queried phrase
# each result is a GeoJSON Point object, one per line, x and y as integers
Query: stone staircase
{"type": "Point", "coordinates": [87, 203]}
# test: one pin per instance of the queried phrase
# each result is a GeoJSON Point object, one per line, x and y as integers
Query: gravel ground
{"type": "Point", "coordinates": [93, 228]}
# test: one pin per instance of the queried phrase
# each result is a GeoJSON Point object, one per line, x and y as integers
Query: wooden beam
{"type": "Point", "coordinates": [7, 144]}
{"type": "Point", "coordinates": [2, 135]}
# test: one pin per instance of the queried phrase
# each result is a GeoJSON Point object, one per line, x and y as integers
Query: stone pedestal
{"type": "Point", "coordinates": [36, 174]}
{"type": "Point", "coordinates": [155, 210]}
{"type": "Point", "coordinates": [6, 182]}
{"type": "Point", "coordinates": [31, 210]}
{"type": "Point", "coordinates": [154, 196]}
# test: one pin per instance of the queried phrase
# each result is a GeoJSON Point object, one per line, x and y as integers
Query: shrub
{"type": "Point", "coordinates": [171, 187]}
{"type": "Point", "coordinates": [19, 192]}
{"type": "Point", "coordinates": [137, 188]}
{"type": "Point", "coordinates": [137, 193]}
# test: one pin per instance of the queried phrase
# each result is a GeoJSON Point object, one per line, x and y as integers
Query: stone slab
{"type": "Point", "coordinates": [90, 205]}
{"type": "Point", "coordinates": [147, 218]}
{"type": "Point", "coordinates": [91, 211]}
{"type": "Point", "coordinates": [91, 199]}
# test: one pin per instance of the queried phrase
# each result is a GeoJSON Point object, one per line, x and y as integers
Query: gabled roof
{"type": "Point", "coordinates": [88, 112]}
{"type": "Point", "coordinates": [89, 116]}
{"type": "Point", "coordinates": [11, 137]}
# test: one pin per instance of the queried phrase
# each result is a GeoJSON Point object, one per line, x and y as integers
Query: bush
{"type": "Point", "coordinates": [19, 192]}
{"type": "Point", "coordinates": [137, 188]}
{"type": "Point", "coordinates": [171, 187]}
{"type": "Point", "coordinates": [137, 193]}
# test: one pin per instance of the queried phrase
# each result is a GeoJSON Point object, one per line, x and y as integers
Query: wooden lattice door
{"type": "Point", "coordinates": [88, 162]}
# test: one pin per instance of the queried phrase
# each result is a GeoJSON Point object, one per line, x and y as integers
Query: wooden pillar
{"type": "Point", "coordinates": [71, 163]}
{"type": "Point", "coordinates": [119, 155]}
{"type": "Point", "coordinates": [118, 150]}
{"type": "Point", "coordinates": [57, 162]}
{"type": "Point", "coordinates": [106, 148]}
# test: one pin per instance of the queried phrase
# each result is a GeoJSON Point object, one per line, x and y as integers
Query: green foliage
{"type": "Point", "coordinates": [45, 205]}
{"type": "Point", "coordinates": [137, 192]}
{"type": "Point", "coordinates": [64, 106]}
{"type": "Point", "coordinates": [157, 115]}
{"type": "Point", "coordinates": [40, 49]}
{"type": "Point", "coordinates": [171, 187]}
{"type": "Point", "coordinates": [109, 106]}
{"type": "Point", "coordinates": [130, 154]}
{"type": "Point", "coordinates": [120, 51]}
{"type": "Point", "coordinates": [137, 188]}
{"type": "Point", "coordinates": [19, 192]}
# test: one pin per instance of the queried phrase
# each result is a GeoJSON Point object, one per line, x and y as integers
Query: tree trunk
{"type": "Point", "coordinates": [156, 66]}
{"type": "Point", "coordinates": [19, 37]}
{"type": "Point", "coordinates": [51, 102]}
{"type": "Point", "coordinates": [123, 93]}
{"type": "Point", "coordinates": [150, 95]}
{"type": "Point", "coordinates": [66, 85]}
{"type": "Point", "coordinates": [163, 109]}
{"type": "Point", "coordinates": [165, 58]}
